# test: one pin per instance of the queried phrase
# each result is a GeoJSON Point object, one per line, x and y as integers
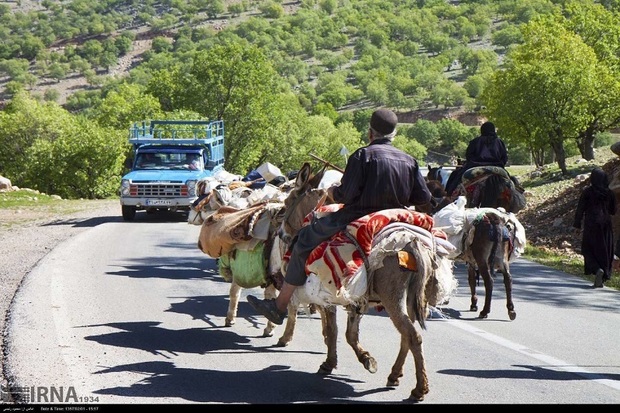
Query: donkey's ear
{"type": "Point", "coordinates": [316, 179]}
{"type": "Point", "coordinates": [303, 175]}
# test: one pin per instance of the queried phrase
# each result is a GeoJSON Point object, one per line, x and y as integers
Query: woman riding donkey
{"type": "Point", "coordinates": [485, 150]}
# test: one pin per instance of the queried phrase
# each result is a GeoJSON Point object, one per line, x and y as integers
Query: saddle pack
{"type": "Point", "coordinates": [337, 269]}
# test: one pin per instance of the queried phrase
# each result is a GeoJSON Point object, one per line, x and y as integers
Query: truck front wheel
{"type": "Point", "coordinates": [129, 212]}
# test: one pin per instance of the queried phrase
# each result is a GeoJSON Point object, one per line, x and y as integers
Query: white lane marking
{"type": "Point", "coordinates": [557, 363]}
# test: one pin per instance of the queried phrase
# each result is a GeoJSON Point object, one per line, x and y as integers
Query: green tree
{"type": "Point", "coordinates": [235, 9]}
{"type": "Point", "coordinates": [507, 36]}
{"type": "Point", "coordinates": [454, 138]}
{"type": "Point", "coordinates": [85, 162]}
{"type": "Point", "coordinates": [413, 148]}
{"type": "Point", "coordinates": [29, 79]}
{"type": "Point", "coordinates": [31, 46]}
{"type": "Point", "coordinates": [124, 42]}
{"type": "Point", "coordinates": [600, 29]}
{"type": "Point", "coordinates": [329, 6]}
{"type": "Point", "coordinates": [124, 105]}
{"type": "Point", "coordinates": [42, 146]}
{"type": "Point", "coordinates": [58, 71]}
{"type": "Point", "coordinates": [51, 95]}
{"type": "Point", "coordinates": [14, 68]}
{"type": "Point", "coordinates": [478, 61]}
{"type": "Point", "coordinates": [234, 82]}
{"type": "Point", "coordinates": [79, 64]}
{"type": "Point", "coordinates": [91, 50]}
{"type": "Point", "coordinates": [542, 96]}
{"type": "Point", "coordinates": [161, 44]}
{"type": "Point", "coordinates": [325, 109]}
{"type": "Point", "coordinates": [474, 85]}
{"type": "Point", "coordinates": [318, 135]}
{"type": "Point", "coordinates": [13, 87]}
{"type": "Point", "coordinates": [271, 9]}
{"type": "Point", "coordinates": [214, 8]}
{"type": "Point", "coordinates": [107, 60]}
{"type": "Point", "coordinates": [425, 132]}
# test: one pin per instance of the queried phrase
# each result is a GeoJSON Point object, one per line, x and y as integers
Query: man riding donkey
{"type": "Point", "coordinates": [377, 176]}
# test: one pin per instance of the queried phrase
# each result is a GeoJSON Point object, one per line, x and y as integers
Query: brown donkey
{"type": "Point", "coordinates": [491, 248]}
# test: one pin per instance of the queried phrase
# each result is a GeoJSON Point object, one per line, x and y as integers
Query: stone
{"type": "Point", "coordinates": [5, 184]}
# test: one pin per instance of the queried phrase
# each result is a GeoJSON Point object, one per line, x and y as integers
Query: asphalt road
{"type": "Point", "coordinates": [133, 312]}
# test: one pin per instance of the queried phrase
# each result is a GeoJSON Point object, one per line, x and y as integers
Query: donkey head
{"type": "Point", "coordinates": [301, 200]}
{"type": "Point", "coordinates": [434, 173]}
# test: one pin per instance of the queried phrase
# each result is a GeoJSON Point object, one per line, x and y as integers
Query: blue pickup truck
{"type": "Point", "coordinates": [170, 157]}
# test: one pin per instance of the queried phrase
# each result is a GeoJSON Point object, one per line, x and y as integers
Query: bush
{"type": "Point", "coordinates": [44, 147]}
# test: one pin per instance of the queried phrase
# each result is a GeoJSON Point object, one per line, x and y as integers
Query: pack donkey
{"type": "Point", "coordinates": [486, 239]}
{"type": "Point", "coordinates": [239, 228]}
{"type": "Point", "coordinates": [488, 235]}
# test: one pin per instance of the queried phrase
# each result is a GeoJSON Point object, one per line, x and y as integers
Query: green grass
{"type": "Point", "coordinates": [568, 264]}
{"type": "Point", "coordinates": [25, 198]}
{"type": "Point", "coordinates": [24, 205]}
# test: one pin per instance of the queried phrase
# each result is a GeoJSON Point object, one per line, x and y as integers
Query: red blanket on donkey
{"type": "Point", "coordinates": [339, 258]}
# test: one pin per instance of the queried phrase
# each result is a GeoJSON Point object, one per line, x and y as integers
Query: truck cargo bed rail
{"type": "Point", "coordinates": [209, 134]}
{"type": "Point", "coordinates": [176, 132]}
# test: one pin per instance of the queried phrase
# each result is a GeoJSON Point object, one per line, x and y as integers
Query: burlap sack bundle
{"type": "Point", "coordinates": [225, 228]}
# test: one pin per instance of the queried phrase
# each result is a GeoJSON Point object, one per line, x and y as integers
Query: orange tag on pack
{"type": "Point", "coordinates": [407, 260]}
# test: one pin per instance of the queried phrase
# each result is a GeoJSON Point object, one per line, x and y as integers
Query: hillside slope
{"type": "Point", "coordinates": [550, 211]}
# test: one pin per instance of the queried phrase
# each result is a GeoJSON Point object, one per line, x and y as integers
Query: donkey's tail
{"type": "Point", "coordinates": [421, 282]}
{"type": "Point", "coordinates": [496, 237]}
{"type": "Point", "coordinates": [492, 191]}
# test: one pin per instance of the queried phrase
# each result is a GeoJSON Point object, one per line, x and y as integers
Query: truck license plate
{"type": "Point", "coordinates": [158, 202]}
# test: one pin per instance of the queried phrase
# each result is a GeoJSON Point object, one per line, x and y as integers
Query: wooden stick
{"type": "Point", "coordinates": [331, 165]}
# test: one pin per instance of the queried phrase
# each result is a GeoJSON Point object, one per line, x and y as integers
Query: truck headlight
{"type": "Point", "coordinates": [125, 183]}
{"type": "Point", "coordinates": [191, 187]}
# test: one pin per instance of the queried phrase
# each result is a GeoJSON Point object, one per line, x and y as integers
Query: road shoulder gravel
{"type": "Point", "coordinates": [26, 236]}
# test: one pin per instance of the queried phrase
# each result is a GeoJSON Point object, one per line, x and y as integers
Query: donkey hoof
{"type": "Point", "coordinates": [483, 315]}
{"type": "Point", "coordinates": [393, 381]}
{"type": "Point", "coordinates": [512, 315]}
{"type": "Point", "coordinates": [281, 343]}
{"type": "Point", "coordinates": [268, 333]}
{"type": "Point", "coordinates": [473, 308]}
{"type": "Point", "coordinates": [229, 323]}
{"type": "Point", "coordinates": [417, 395]}
{"type": "Point", "coordinates": [325, 370]}
{"type": "Point", "coordinates": [370, 364]}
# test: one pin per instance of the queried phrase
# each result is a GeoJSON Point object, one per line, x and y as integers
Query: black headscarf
{"type": "Point", "coordinates": [600, 183]}
{"type": "Point", "coordinates": [487, 131]}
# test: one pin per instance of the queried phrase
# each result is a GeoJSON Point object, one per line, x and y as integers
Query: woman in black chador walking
{"type": "Point", "coordinates": [597, 204]}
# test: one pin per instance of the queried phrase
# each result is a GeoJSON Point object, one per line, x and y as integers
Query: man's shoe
{"type": "Point", "coordinates": [267, 308]}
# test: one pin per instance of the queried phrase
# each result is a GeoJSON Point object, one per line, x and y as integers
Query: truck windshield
{"type": "Point", "coordinates": [164, 160]}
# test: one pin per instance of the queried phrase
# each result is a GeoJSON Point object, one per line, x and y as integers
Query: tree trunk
{"type": "Point", "coordinates": [538, 156]}
{"type": "Point", "coordinates": [588, 154]}
{"type": "Point", "coordinates": [560, 155]}
{"type": "Point", "coordinates": [586, 142]}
